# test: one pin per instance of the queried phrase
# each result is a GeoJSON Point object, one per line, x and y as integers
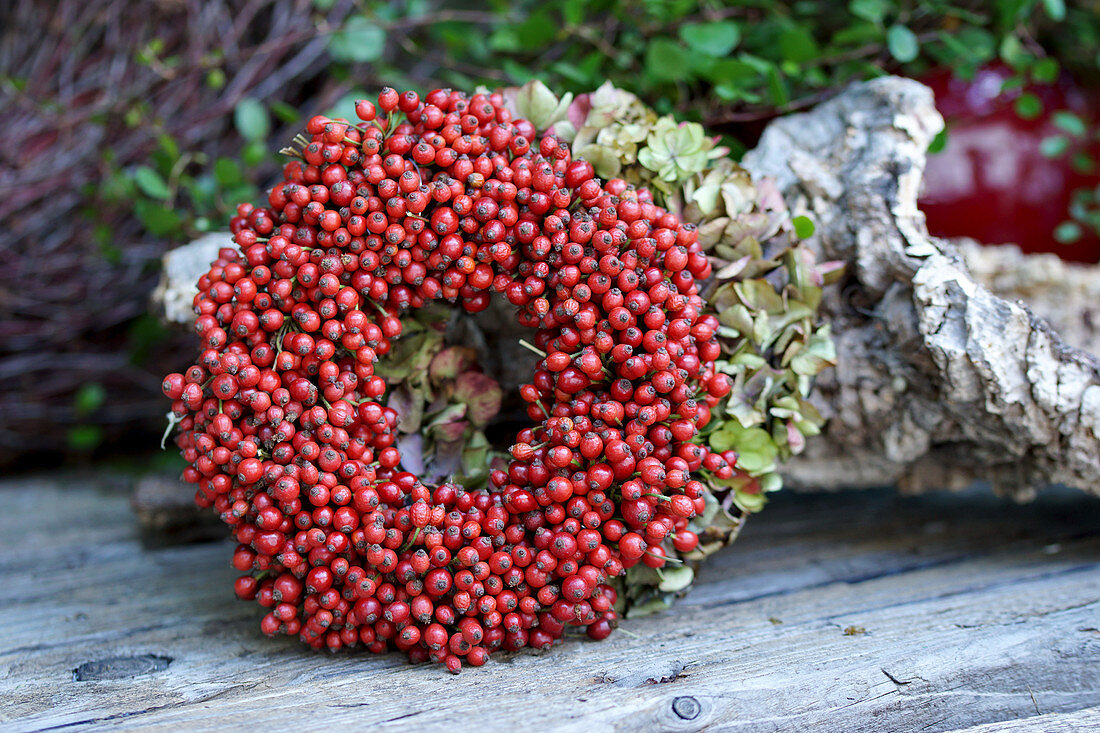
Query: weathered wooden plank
{"type": "Point", "coordinates": [858, 612]}
{"type": "Point", "coordinates": [1081, 721]}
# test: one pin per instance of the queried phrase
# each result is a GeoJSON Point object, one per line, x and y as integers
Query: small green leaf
{"type": "Point", "coordinates": [538, 29]}
{"type": "Point", "coordinates": [870, 10]}
{"type": "Point", "coordinates": [1083, 163]}
{"type": "Point", "coordinates": [159, 220]}
{"type": "Point", "coordinates": [803, 227]}
{"type": "Point", "coordinates": [1056, 9]}
{"type": "Point", "coordinates": [572, 11]}
{"type": "Point", "coordinates": [797, 44]}
{"type": "Point", "coordinates": [939, 142]}
{"type": "Point", "coordinates": [856, 34]}
{"type": "Point", "coordinates": [980, 43]}
{"type": "Point", "coordinates": [819, 353]}
{"type": "Point", "coordinates": [251, 119]}
{"type": "Point", "coordinates": [1045, 70]}
{"type": "Point", "coordinates": [285, 112]}
{"type": "Point", "coordinates": [134, 116]}
{"type": "Point", "coordinates": [1014, 54]}
{"type": "Point", "coordinates": [902, 43]}
{"type": "Point", "coordinates": [756, 452]}
{"type": "Point", "coordinates": [736, 74]}
{"type": "Point", "coordinates": [254, 152]}
{"type": "Point", "coordinates": [85, 438]}
{"type": "Point", "coordinates": [215, 78]}
{"type": "Point", "coordinates": [358, 40]}
{"type": "Point", "coordinates": [1053, 146]}
{"type": "Point", "coordinates": [749, 502]}
{"type": "Point", "coordinates": [667, 60]}
{"type": "Point", "coordinates": [89, 398]}
{"type": "Point", "coordinates": [676, 578]}
{"type": "Point", "coordinates": [777, 87]}
{"type": "Point", "coordinates": [504, 40]}
{"type": "Point", "coordinates": [1067, 232]}
{"type": "Point", "coordinates": [519, 73]}
{"type": "Point", "coordinates": [169, 147]}
{"type": "Point", "coordinates": [151, 183]}
{"type": "Point", "coordinates": [957, 52]}
{"type": "Point", "coordinates": [1070, 123]}
{"type": "Point", "coordinates": [1028, 106]}
{"type": "Point", "coordinates": [1013, 83]}
{"type": "Point", "coordinates": [227, 172]}
{"type": "Point", "coordinates": [713, 39]}
{"type": "Point", "coordinates": [724, 439]}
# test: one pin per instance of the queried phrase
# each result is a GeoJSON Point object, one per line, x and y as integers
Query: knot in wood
{"type": "Point", "coordinates": [686, 707]}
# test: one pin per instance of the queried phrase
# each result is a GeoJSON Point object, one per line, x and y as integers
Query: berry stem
{"type": "Point", "coordinates": [531, 347]}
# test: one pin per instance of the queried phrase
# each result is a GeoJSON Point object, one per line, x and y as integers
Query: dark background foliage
{"type": "Point", "coordinates": [133, 126]}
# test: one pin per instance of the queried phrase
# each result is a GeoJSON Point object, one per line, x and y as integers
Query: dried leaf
{"type": "Point", "coordinates": [675, 578]}
{"type": "Point", "coordinates": [733, 269]}
{"type": "Point", "coordinates": [649, 607]}
{"type": "Point", "coordinates": [820, 352]}
{"type": "Point", "coordinates": [750, 502]}
{"type": "Point", "coordinates": [409, 406]}
{"type": "Point", "coordinates": [756, 451]}
{"type": "Point", "coordinates": [410, 355]}
{"type": "Point", "coordinates": [446, 459]}
{"type": "Point", "coordinates": [760, 295]}
{"type": "Point", "coordinates": [450, 362]}
{"type": "Point", "coordinates": [795, 440]}
{"type": "Point", "coordinates": [481, 394]}
{"type": "Point", "coordinates": [831, 271]}
{"type": "Point", "coordinates": [450, 431]}
{"type": "Point", "coordinates": [605, 161]}
{"type": "Point", "coordinates": [412, 452]}
{"type": "Point", "coordinates": [475, 460]}
{"type": "Point", "coordinates": [449, 414]}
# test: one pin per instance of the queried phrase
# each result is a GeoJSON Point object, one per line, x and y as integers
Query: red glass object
{"type": "Point", "coordinates": [991, 181]}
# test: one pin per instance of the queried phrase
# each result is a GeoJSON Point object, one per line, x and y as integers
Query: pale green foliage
{"type": "Point", "coordinates": [766, 290]}
{"type": "Point", "coordinates": [541, 107]}
{"type": "Point", "coordinates": [675, 152]}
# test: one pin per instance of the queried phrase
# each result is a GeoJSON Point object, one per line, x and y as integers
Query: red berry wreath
{"type": "Point", "coordinates": [282, 422]}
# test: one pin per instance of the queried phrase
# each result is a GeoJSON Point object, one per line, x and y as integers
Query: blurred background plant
{"type": "Point", "coordinates": [134, 126]}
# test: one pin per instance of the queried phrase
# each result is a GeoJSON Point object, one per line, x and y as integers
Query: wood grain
{"type": "Point", "coordinates": [856, 612]}
{"type": "Point", "coordinates": [1081, 721]}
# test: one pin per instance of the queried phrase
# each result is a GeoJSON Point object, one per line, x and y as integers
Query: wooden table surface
{"type": "Point", "coordinates": [851, 612]}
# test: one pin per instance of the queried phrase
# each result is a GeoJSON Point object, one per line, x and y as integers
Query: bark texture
{"type": "Point", "coordinates": [1064, 294]}
{"type": "Point", "coordinates": [940, 381]}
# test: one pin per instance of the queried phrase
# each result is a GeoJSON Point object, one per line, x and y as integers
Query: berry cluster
{"type": "Point", "coordinates": [282, 417]}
